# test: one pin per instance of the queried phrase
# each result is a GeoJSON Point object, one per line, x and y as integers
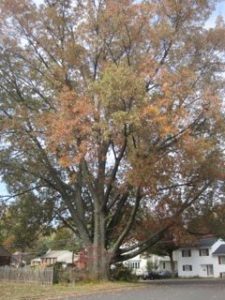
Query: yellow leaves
{"type": "Point", "coordinates": [151, 110]}
{"type": "Point", "coordinates": [120, 94]}
{"type": "Point", "coordinates": [119, 86]}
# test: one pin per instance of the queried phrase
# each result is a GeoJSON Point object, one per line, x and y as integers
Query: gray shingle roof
{"type": "Point", "coordinates": [220, 250]}
{"type": "Point", "coordinates": [56, 253]}
{"type": "Point", "coordinates": [202, 243]}
{"type": "Point", "coordinates": [207, 242]}
{"type": "Point", "coordinates": [64, 256]}
{"type": "Point", "coordinates": [4, 252]}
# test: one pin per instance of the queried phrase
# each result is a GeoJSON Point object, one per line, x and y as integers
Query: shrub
{"type": "Point", "coordinates": [122, 273]}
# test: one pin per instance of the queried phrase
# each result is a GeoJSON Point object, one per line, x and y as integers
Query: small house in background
{"type": "Point", "coordinates": [5, 257]}
{"type": "Point", "coordinates": [21, 259]}
{"type": "Point", "coordinates": [52, 257]}
{"type": "Point", "coordinates": [65, 257]}
{"type": "Point", "coordinates": [36, 261]}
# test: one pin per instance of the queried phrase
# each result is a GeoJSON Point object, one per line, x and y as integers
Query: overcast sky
{"type": "Point", "coordinates": [220, 10]}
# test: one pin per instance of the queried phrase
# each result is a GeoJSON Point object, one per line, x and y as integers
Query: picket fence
{"type": "Point", "coordinates": [27, 275]}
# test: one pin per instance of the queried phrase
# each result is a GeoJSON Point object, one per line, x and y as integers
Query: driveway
{"type": "Point", "coordinates": [167, 290]}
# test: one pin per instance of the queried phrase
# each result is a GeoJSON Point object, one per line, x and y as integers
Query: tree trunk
{"type": "Point", "coordinates": [172, 264]}
{"type": "Point", "coordinates": [99, 259]}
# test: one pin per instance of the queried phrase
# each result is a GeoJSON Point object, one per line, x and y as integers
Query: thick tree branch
{"type": "Point", "coordinates": [133, 250]}
{"type": "Point", "coordinates": [129, 224]}
{"type": "Point", "coordinates": [117, 216]}
{"type": "Point", "coordinates": [115, 170]}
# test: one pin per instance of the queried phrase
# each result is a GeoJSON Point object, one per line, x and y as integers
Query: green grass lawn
{"type": "Point", "coordinates": [17, 291]}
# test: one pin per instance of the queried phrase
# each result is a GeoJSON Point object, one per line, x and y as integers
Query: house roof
{"type": "Point", "coordinates": [36, 259]}
{"type": "Point", "coordinates": [63, 256]}
{"type": "Point", "coordinates": [220, 250]}
{"type": "Point", "coordinates": [202, 243]}
{"type": "Point", "coordinates": [55, 253]}
{"type": "Point", "coordinates": [206, 242]}
{"type": "Point", "coordinates": [4, 252]}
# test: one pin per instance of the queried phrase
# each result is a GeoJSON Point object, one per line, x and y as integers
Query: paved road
{"type": "Point", "coordinates": [167, 290]}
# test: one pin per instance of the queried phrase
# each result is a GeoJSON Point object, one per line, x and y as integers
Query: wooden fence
{"type": "Point", "coordinates": [27, 275]}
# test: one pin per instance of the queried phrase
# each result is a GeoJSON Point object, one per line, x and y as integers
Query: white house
{"type": "Point", "coordinates": [53, 256]}
{"type": "Point", "coordinates": [204, 259]}
{"type": "Point", "coordinates": [138, 264]}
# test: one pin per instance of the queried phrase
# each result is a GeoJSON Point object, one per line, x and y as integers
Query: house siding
{"type": "Point", "coordinates": [199, 263]}
{"type": "Point", "coordinates": [161, 263]}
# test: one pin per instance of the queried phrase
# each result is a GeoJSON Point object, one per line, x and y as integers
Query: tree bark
{"type": "Point", "coordinates": [99, 259]}
{"type": "Point", "coordinates": [172, 264]}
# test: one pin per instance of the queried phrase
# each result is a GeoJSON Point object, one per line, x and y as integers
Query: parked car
{"type": "Point", "coordinates": [151, 275]}
{"type": "Point", "coordinates": [157, 275]}
{"type": "Point", "coordinates": [165, 274]}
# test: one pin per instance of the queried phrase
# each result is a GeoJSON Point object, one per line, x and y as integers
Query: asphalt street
{"type": "Point", "coordinates": [166, 290]}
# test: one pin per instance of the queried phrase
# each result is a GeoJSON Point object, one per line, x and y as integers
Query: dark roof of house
{"type": "Point", "coordinates": [4, 252]}
{"type": "Point", "coordinates": [206, 242]}
{"type": "Point", "coordinates": [202, 243]}
{"type": "Point", "coordinates": [220, 250]}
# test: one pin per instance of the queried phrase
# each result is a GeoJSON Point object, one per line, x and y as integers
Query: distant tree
{"type": "Point", "coordinates": [110, 107]}
{"type": "Point", "coordinates": [2, 227]}
{"type": "Point", "coordinates": [63, 238]}
{"type": "Point", "coordinates": [59, 239]}
{"type": "Point", "coordinates": [210, 221]}
{"type": "Point", "coordinates": [24, 220]}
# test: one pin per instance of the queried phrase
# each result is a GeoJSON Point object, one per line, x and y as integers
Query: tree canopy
{"type": "Point", "coordinates": [111, 108]}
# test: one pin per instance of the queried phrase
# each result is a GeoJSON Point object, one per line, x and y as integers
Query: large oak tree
{"type": "Point", "coordinates": [111, 108]}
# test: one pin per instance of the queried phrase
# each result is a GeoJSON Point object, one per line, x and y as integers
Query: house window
{"type": "Point", "coordinates": [187, 267]}
{"type": "Point", "coordinates": [186, 253]}
{"type": "Point", "coordinates": [164, 265]}
{"type": "Point", "coordinates": [221, 260]}
{"type": "Point", "coordinates": [203, 252]}
{"type": "Point", "coordinates": [134, 265]}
